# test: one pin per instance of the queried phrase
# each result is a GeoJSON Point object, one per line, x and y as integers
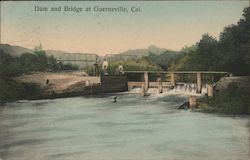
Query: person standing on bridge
{"type": "Point", "coordinates": [105, 66]}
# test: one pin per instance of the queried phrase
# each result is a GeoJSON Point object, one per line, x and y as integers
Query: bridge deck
{"type": "Point", "coordinates": [132, 84]}
{"type": "Point", "coordinates": [182, 72]}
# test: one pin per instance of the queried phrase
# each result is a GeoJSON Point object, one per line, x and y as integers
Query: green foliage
{"type": "Point", "coordinates": [69, 66]}
{"type": "Point", "coordinates": [52, 62]}
{"type": "Point", "coordinates": [163, 60]}
{"type": "Point", "coordinates": [230, 53]}
{"type": "Point", "coordinates": [187, 49]}
{"type": "Point", "coordinates": [42, 62]}
{"type": "Point", "coordinates": [31, 62]}
{"type": "Point", "coordinates": [235, 44]}
{"type": "Point", "coordinates": [233, 100]}
{"type": "Point", "coordinates": [12, 90]}
{"type": "Point", "coordinates": [9, 66]}
{"type": "Point", "coordinates": [205, 57]}
{"type": "Point", "coordinates": [141, 64]}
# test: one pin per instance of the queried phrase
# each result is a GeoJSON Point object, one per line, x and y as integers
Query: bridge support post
{"type": "Point", "coordinates": [192, 102]}
{"type": "Point", "coordinates": [159, 85]}
{"type": "Point", "coordinates": [210, 90]}
{"type": "Point", "coordinates": [143, 91]}
{"type": "Point", "coordinates": [199, 83]}
{"type": "Point", "coordinates": [146, 80]}
{"type": "Point", "coordinates": [172, 79]}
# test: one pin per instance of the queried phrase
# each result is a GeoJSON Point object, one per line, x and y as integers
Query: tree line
{"type": "Point", "coordinates": [231, 52]}
{"type": "Point", "coordinates": [10, 67]}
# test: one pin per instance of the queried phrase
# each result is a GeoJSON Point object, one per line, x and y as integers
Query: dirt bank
{"type": "Point", "coordinates": [58, 82]}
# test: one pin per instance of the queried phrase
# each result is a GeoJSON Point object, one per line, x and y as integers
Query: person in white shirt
{"type": "Point", "coordinates": [120, 69]}
{"type": "Point", "coordinates": [105, 67]}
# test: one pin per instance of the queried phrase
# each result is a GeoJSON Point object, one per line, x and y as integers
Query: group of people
{"type": "Point", "coordinates": [105, 65]}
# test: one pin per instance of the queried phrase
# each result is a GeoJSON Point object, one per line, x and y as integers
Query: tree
{"type": "Point", "coordinates": [235, 46]}
{"type": "Point", "coordinates": [9, 66]}
{"type": "Point", "coordinates": [41, 57]}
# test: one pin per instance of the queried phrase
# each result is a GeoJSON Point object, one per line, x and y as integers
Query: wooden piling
{"type": "Point", "coordinates": [160, 89]}
{"type": "Point", "coordinates": [143, 91]}
{"type": "Point", "coordinates": [172, 79]}
{"type": "Point", "coordinates": [210, 90]}
{"type": "Point", "coordinates": [87, 82]}
{"type": "Point", "coordinates": [199, 83]}
{"type": "Point", "coordinates": [192, 102]}
{"type": "Point", "coordinates": [146, 80]}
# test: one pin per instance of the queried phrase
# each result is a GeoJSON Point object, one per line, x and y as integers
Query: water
{"type": "Point", "coordinates": [134, 128]}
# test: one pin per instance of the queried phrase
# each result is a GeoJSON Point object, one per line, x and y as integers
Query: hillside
{"type": "Point", "coordinates": [146, 51]}
{"type": "Point", "coordinates": [17, 50]}
{"type": "Point", "coordinates": [14, 50]}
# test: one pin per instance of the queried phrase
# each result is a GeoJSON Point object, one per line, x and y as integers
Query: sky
{"type": "Point", "coordinates": [165, 24]}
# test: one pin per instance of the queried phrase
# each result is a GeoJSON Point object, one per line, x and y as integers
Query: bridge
{"type": "Point", "coordinates": [173, 77]}
{"type": "Point", "coordinates": [85, 58]}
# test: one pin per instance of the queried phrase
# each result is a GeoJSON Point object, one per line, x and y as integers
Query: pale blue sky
{"type": "Point", "coordinates": [167, 24]}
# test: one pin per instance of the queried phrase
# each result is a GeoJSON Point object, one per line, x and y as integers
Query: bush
{"type": "Point", "coordinates": [69, 66]}
{"type": "Point", "coordinates": [233, 100]}
{"type": "Point", "coordinates": [12, 90]}
{"type": "Point", "coordinates": [9, 66]}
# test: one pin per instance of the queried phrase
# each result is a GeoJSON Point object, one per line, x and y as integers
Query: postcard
{"type": "Point", "coordinates": [125, 80]}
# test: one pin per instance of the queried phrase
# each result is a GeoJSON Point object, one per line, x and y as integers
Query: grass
{"type": "Point", "coordinates": [233, 100]}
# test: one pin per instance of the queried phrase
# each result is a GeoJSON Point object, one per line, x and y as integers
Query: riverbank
{"type": "Point", "coordinates": [40, 85]}
{"type": "Point", "coordinates": [231, 101]}
{"type": "Point", "coordinates": [50, 85]}
{"type": "Point", "coordinates": [233, 97]}
{"type": "Point", "coordinates": [58, 82]}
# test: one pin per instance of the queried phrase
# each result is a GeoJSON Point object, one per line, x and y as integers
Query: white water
{"type": "Point", "coordinates": [185, 89]}
{"type": "Point", "coordinates": [134, 128]}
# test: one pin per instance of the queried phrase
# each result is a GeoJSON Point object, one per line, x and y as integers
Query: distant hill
{"type": "Point", "coordinates": [17, 50]}
{"type": "Point", "coordinates": [14, 50]}
{"type": "Point", "coordinates": [145, 52]}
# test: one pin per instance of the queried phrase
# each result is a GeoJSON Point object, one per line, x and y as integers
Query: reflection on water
{"type": "Point", "coordinates": [133, 128]}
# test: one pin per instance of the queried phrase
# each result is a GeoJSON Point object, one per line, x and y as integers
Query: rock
{"type": "Point", "coordinates": [184, 106]}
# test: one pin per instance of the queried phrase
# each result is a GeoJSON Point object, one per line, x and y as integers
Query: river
{"type": "Point", "coordinates": [134, 128]}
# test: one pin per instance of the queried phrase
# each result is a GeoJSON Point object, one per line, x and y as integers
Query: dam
{"type": "Point", "coordinates": [68, 84]}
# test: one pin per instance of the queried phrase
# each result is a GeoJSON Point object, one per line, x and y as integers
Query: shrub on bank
{"type": "Point", "coordinates": [12, 90]}
{"type": "Point", "coordinates": [233, 100]}
{"type": "Point", "coordinates": [69, 66]}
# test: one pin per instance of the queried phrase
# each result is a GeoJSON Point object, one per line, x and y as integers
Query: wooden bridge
{"type": "Point", "coordinates": [173, 80]}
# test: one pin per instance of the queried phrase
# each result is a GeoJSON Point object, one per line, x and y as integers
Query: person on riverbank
{"type": "Point", "coordinates": [96, 67]}
{"type": "Point", "coordinates": [120, 69]}
{"type": "Point", "coordinates": [105, 67]}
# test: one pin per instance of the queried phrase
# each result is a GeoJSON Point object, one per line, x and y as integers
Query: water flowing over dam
{"type": "Point", "coordinates": [134, 127]}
